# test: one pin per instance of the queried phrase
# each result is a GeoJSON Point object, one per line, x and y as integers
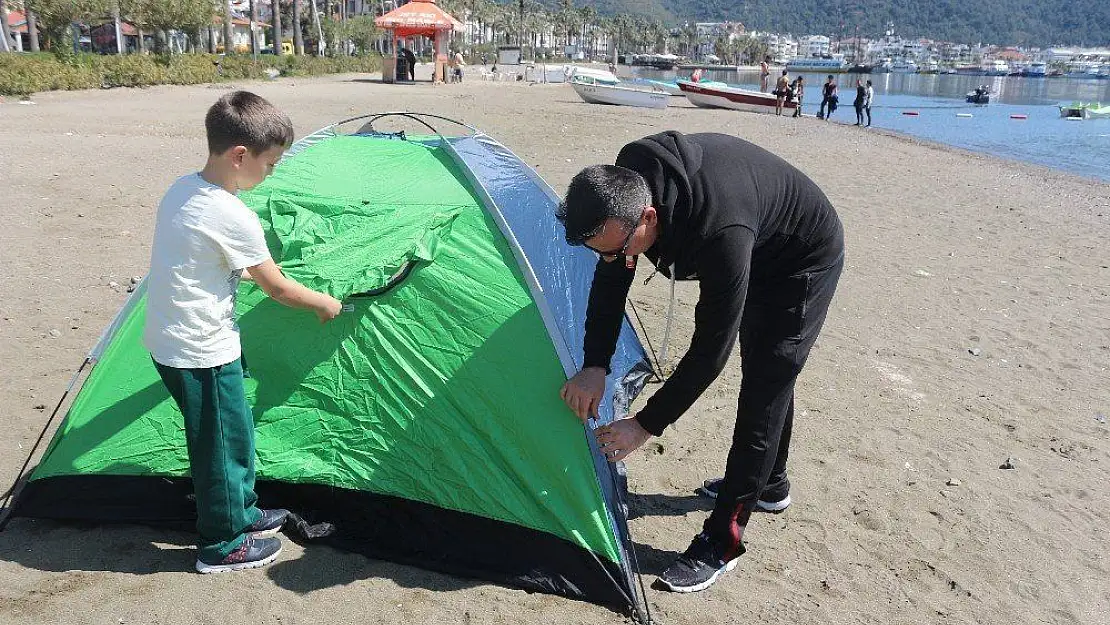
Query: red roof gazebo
{"type": "Point", "coordinates": [419, 17]}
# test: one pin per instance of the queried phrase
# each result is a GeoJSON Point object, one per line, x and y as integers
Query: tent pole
{"type": "Point", "coordinates": [12, 493]}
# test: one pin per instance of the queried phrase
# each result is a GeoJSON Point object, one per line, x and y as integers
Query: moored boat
{"type": "Point", "coordinates": [735, 98]}
{"type": "Point", "coordinates": [598, 93]}
{"type": "Point", "coordinates": [672, 87]}
{"type": "Point", "coordinates": [1085, 110]}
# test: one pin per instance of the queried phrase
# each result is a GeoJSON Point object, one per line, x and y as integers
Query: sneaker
{"type": "Point", "coordinates": [252, 554]}
{"type": "Point", "coordinates": [698, 567]}
{"type": "Point", "coordinates": [773, 500]}
{"type": "Point", "coordinates": [269, 524]}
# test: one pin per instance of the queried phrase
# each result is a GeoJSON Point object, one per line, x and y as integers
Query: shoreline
{"type": "Point", "coordinates": [969, 327]}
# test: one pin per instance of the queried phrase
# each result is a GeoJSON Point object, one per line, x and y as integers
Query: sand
{"type": "Point", "coordinates": [949, 253]}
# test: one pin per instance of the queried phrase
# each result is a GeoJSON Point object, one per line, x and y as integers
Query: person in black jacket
{"type": "Point", "coordinates": [767, 248]}
{"type": "Point", "coordinates": [860, 101]}
{"type": "Point", "coordinates": [829, 99]}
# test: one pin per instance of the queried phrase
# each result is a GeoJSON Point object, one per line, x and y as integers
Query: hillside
{"type": "Point", "coordinates": [1020, 22]}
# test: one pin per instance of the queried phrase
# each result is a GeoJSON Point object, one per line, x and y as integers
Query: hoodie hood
{"type": "Point", "coordinates": [672, 165]}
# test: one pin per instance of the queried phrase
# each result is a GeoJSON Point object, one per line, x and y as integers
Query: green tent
{"type": "Point", "coordinates": [424, 422]}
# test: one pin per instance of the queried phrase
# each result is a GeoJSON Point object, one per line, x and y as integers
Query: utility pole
{"type": "Point", "coordinates": [520, 30]}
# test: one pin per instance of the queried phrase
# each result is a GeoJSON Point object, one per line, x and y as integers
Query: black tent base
{"type": "Point", "coordinates": [379, 526]}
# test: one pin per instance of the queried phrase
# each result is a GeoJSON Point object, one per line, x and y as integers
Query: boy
{"type": "Point", "coordinates": [205, 241]}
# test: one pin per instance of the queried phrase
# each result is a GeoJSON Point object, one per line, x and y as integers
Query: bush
{"type": "Point", "coordinates": [24, 74]}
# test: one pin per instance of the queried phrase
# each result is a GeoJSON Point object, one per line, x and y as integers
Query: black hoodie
{"type": "Point", "coordinates": [730, 214]}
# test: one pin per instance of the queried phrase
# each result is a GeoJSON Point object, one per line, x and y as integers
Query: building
{"type": "Point", "coordinates": [815, 46]}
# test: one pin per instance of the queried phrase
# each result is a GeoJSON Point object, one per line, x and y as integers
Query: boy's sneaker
{"type": "Point", "coordinates": [252, 554]}
{"type": "Point", "coordinates": [269, 524]}
{"type": "Point", "coordinates": [773, 500]}
{"type": "Point", "coordinates": [698, 567]}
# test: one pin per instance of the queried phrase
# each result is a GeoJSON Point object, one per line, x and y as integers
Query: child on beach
{"type": "Point", "coordinates": [205, 241]}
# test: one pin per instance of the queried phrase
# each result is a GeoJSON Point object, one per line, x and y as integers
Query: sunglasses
{"type": "Point", "coordinates": [624, 246]}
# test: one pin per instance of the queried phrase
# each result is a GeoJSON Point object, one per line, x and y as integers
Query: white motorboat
{"type": "Point", "coordinates": [1081, 110]}
{"type": "Point", "coordinates": [599, 93]}
{"type": "Point", "coordinates": [711, 96]}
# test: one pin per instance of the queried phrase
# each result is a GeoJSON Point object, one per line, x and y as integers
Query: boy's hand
{"type": "Point", "coordinates": [328, 309]}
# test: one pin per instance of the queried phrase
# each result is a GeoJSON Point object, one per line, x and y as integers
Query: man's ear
{"type": "Point", "coordinates": [651, 216]}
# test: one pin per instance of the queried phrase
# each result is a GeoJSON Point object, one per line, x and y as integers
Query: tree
{"type": "Point", "coordinates": [57, 16]}
{"type": "Point", "coordinates": [165, 15]}
{"type": "Point", "coordinates": [276, 5]}
{"type": "Point", "coordinates": [5, 30]}
{"type": "Point", "coordinates": [298, 36]}
{"type": "Point", "coordinates": [254, 28]}
{"type": "Point", "coordinates": [229, 44]}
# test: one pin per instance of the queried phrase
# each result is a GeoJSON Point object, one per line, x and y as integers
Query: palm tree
{"type": "Point", "coordinates": [276, 6]}
{"type": "Point", "coordinates": [254, 23]}
{"type": "Point", "coordinates": [298, 37]}
{"type": "Point", "coordinates": [229, 47]}
{"type": "Point", "coordinates": [5, 30]}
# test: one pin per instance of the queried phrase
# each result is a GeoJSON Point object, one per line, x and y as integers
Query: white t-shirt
{"type": "Point", "coordinates": [203, 239]}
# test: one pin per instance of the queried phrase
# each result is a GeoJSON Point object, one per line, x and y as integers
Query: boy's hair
{"type": "Point", "coordinates": [243, 118]}
{"type": "Point", "coordinates": [598, 193]}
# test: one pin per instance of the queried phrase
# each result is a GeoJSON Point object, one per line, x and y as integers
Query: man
{"type": "Point", "coordinates": [764, 74]}
{"type": "Point", "coordinates": [829, 99]}
{"type": "Point", "coordinates": [767, 248]}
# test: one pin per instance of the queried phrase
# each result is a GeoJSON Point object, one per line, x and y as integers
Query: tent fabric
{"type": "Point", "coordinates": [435, 400]}
{"type": "Point", "coordinates": [419, 17]}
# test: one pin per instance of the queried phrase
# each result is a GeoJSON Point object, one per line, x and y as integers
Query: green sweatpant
{"type": "Point", "coordinates": [219, 434]}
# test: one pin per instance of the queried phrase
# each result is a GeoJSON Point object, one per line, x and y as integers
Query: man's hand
{"type": "Point", "coordinates": [584, 391]}
{"type": "Point", "coordinates": [620, 438]}
{"type": "Point", "coordinates": [328, 309]}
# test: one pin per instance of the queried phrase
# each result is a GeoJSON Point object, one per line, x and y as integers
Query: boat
{"type": "Point", "coordinates": [706, 96]}
{"type": "Point", "coordinates": [859, 68]}
{"type": "Point", "coordinates": [833, 64]}
{"type": "Point", "coordinates": [600, 93]}
{"type": "Point", "coordinates": [997, 67]}
{"type": "Point", "coordinates": [904, 67]}
{"type": "Point", "coordinates": [594, 75]}
{"type": "Point", "coordinates": [970, 70]}
{"type": "Point", "coordinates": [672, 87]}
{"type": "Point", "coordinates": [1081, 110]}
{"type": "Point", "coordinates": [980, 95]}
{"type": "Point", "coordinates": [1034, 69]}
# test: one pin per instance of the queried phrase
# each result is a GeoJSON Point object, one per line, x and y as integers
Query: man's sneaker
{"type": "Point", "coordinates": [269, 524]}
{"type": "Point", "coordinates": [252, 554]}
{"type": "Point", "coordinates": [698, 567]}
{"type": "Point", "coordinates": [773, 500]}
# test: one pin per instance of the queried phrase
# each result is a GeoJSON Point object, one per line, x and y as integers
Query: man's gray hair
{"type": "Point", "coordinates": [598, 193]}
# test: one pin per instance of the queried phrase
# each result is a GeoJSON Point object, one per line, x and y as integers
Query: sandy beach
{"type": "Point", "coordinates": [970, 327]}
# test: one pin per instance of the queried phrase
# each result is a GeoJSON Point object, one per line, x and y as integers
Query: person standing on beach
{"type": "Point", "coordinates": [829, 99]}
{"type": "Point", "coordinates": [205, 241]}
{"type": "Point", "coordinates": [781, 92]}
{"type": "Point", "coordinates": [764, 74]}
{"type": "Point", "coordinates": [858, 103]}
{"type": "Point", "coordinates": [767, 249]}
{"type": "Point", "coordinates": [799, 89]}
{"type": "Point", "coordinates": [868, 99]}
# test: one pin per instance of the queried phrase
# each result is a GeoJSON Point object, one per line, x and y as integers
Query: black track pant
{"type": "Point", "coordinates": [782, 319]}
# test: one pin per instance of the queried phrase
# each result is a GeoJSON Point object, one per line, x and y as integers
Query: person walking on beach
{"type": "Point", "coordinates": [829, 99]}
{"type": "Point", "coordinates": [868, 99]}
{"type": "Point", "coordinates": [799, 90]}
{"type": "Point", "coordinates": [764, 74]}
{"type": "Point", "coordinates": [205, 241]}
{"type": "Point", "coordinates": [858, 103]}
{"type": "Point", "coordinates": [781, 92]}
{"type": "Point", "coordinates": [767, 249]}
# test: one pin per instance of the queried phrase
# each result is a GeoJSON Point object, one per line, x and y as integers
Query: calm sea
{"type": "Point", "coordinates": [1081, 147]}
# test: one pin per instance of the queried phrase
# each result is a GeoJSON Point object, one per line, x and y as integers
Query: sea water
{"type": "Point", "coordinates": [1043, 137]}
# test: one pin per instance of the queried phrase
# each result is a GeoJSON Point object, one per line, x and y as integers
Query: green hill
{"type": "Point", "coordinates": [1020, 22]}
